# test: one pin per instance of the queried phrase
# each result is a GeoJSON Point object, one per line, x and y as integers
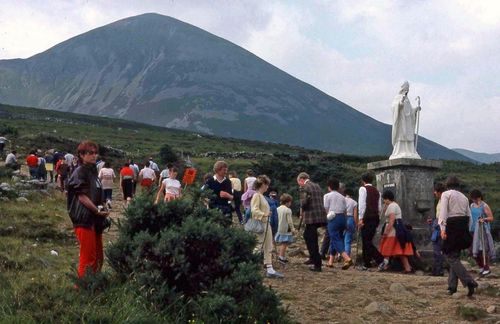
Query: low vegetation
{"type": "Point", "coordinates": [153, 273]}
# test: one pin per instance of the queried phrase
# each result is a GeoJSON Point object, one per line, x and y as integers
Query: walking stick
{"type": "Point", "coordinates": [417, 123]}
{"type": "Point", "coordinates": [481, 234]}
{"type": "Point", "coordinates": [357, 246]}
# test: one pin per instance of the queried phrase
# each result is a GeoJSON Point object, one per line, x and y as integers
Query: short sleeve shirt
{"type": "Point", "coordinates": [249, 181]}
{"type": "Point", "coordinates": [393, 208]}
{"type": "Point", "coordinates": [127, 173]}
{"type": "Point", "coordinates": [172, 186]}
{"type": "Point", "coordinates": [334, 202]}
{"type": "Point", "coordinates": [350, 205]}
{"type": "Point", "coordinates": [107, 175]}
{"type": "Point", "coordinates": [147, 173]}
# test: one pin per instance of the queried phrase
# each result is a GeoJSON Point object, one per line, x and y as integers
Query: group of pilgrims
{"type": "Point", "coordinates": [460, 223]}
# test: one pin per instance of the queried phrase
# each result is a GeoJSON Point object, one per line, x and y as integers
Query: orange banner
{"type": "Point", "coordinates": [189, 176]}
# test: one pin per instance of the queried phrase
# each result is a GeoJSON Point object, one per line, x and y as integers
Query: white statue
{"type": "Point", "coordinates": [404, 120]}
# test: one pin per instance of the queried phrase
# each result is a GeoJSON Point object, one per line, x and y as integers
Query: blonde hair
{"type": "Point", "coordinates": [219, 165]}
{"type": "Point", "coordinates": [260, 181]}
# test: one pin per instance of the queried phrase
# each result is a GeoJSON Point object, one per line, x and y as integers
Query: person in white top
{"type": "Point", "coordinates": [236, 184]}
{"type": "Point", "coordinates": [370, 207]}
{"type": "Point", "coordinates": [165, 173]}
{"type": "Point", "coordinates": [147, 177]}
{"type": "Point", "coordinates": [352, 220]}
{"type": "Point", "coordinates": [11, 161]}
{"type": "Point", "coordinates": [170, 187]}
{"type": "Point", "coordinates": [107, 176]}
{"type": "Point", "coordinates": [454, 219]}
{"type": "Point", "coordinates": [249, 180]}
{"type": "Point", "coordinates": [335, 206]}
{"type": "Point", "coordinates": [284, 234]}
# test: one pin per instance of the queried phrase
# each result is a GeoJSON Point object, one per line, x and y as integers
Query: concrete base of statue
{"type": "Point", "coordinates": [412, 182]}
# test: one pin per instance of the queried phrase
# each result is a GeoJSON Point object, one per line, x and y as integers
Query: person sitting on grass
{"type": "Point", "coordinates": [11, 161]}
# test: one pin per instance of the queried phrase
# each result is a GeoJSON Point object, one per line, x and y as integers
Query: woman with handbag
{"type": "Point", "coordinates": [261, 213]}
{"type": "Point", "coordinates": [390, 244]}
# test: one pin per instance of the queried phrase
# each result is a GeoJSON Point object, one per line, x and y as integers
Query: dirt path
{"type": "Point", "coordinates": [338, 296]}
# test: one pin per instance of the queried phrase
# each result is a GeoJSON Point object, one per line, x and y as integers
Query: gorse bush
{"type": "Point", "coordinates": [190, 265]}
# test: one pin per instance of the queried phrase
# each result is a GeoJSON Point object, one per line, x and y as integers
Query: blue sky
{"type": "Point", "coordinates": [356, 51]}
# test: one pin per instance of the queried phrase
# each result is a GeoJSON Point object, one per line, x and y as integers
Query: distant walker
{"type": "Point", "coordinates": [404, 125]}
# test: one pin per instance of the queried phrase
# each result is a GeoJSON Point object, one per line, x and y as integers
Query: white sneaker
{"type": "Point", "coordinates": [274, 274]}
{"type": "Point", "coordinates": [383, 265]}
{"type": "Point", "coordinates": [485, 273]}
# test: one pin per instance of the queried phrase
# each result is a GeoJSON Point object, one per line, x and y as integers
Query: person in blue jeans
{"type": "Point", "coordinates": [335, 206]}
{"type": "Point", "coordinates": [273, 205]}
{"type": "Point", "coordinates": [352, 220]}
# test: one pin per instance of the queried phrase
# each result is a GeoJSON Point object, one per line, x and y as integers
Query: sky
{"type": "Point", "coordinates": [359, 52]}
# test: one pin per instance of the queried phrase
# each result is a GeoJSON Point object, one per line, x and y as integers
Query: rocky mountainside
{"type": "Point", "coordinates": [158, 70]}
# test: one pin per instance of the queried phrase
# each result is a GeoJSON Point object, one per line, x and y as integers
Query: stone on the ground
{"type": "Point", "coordinates": [4, 199]}
{"type": "Point", "coordinates": [15, 178]}
{"type": "Point", "coordinates": [419, 273]}
{"type": "Point", "coordinates": [22, 199]}
{"type": "Point", "coordinates": [5, 186]}
{"type": "Point", "coordinates": [375, 307]}
{"type": "Point", "coordinates": [457, 295]}
{"type": "Point", "coordinates": [483, 286]}
{"type": "Point", "coordinates": [491, 310]}
{"type": "Point", "coordinates": [398, 288]}
{"type": "Point", "coordinates": [54, 253]}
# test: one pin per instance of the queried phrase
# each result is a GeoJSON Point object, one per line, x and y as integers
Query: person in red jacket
{"type": "Point", "coordinates": [127, 182]}
{"type": "Point", "coordinates": [32, 162]}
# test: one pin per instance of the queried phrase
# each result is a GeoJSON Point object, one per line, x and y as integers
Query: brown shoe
{"type": "Point", "coordinates": [347, 264]}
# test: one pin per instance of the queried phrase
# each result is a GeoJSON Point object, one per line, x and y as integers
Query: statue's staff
{"type": "Point", "coordinates": [417, 123]}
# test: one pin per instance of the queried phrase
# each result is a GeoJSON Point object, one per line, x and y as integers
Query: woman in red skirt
{"type": "Point", "coordinates": [390, 246]}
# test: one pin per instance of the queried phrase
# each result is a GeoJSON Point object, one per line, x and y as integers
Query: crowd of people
{"type": "Point", "coordinates": [458, 225]}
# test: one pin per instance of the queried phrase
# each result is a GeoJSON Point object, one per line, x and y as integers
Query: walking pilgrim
{"type": "Point", "coordinates": [404, 125]}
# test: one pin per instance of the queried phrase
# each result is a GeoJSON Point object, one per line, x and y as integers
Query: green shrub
{"type": "Point", "coordinates": [471, 313]}
{"type": "Point", "coordinates": [167, 155]}
{"type": "Point", "coordinates": [189, 265]}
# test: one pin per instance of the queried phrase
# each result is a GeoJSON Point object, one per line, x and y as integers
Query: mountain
{"type": "Point", "coordinates": [159, 70]}
{"type": "Point", "coordinates": [479, 157]}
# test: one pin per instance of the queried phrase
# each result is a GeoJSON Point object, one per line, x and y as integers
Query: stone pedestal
{"type": "Point", "coordinates": [412, 182]}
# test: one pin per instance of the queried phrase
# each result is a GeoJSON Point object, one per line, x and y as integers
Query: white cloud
{"type": "Point", "coordinates": [357, 51]}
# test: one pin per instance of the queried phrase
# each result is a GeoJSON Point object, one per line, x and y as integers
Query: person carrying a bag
{"type": "Point", "coordinates": [85, 194]}
{"type": "Point", "coordinates": [261, 212]}
{"type": "Point", "coordinates": [454, 218]}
